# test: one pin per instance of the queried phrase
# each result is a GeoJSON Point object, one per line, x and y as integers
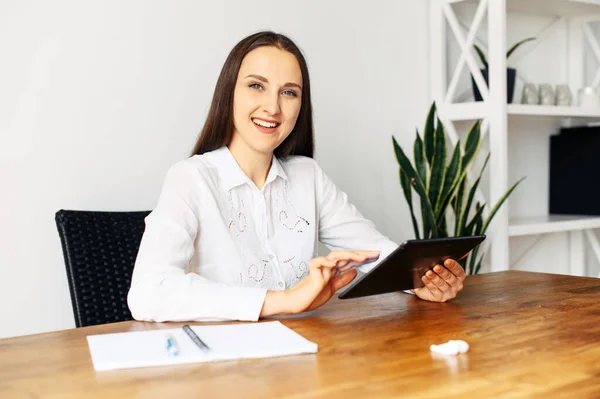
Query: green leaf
{"type": "Point", "coordinates": [478, 266]}
{"type": "Point", "coordinates": [450, 181]}
{"type": "Point", "coordinates": [516, 45]}
{"type": "Point", "coordinates": [471, 227]}
{"type": "Point", "coordinates": [452, 170]}
{"type": "Point", "coordinates": [481, 56]}
{"type": "Point", "coordinates": [421, 166]}
{"type": "Point", "coordinates": [460, 186]}
{"type": "Point", "coordinates": [465, 213]}
{"type": "Point", "coordinates": [452, 195]}
{"type": "Point", "coordinates": [427, 230]}
{"type": "Point", "coordinates": [442, 229]}
{"type": "Point", "coordinates": [472, 143]}
{"type": "Point", "coordinates": [473, 261]}
{"type": "Point", "coordinates": [438, 166]}
{"type": "Point", "coordinates": [405, 183]}
{"type": "Point", "coordinates": [419, 157]}
{"type": "Point", "coordinates": [478, 223]}
{"type": "Point", "coordinates": [417, 183]}
{"type": "Point", "coordinates": [428, 134]}
{"type": "Point", "coordinates": [474, 265]}
{"type": "Point", "coordinates": [499, 204]}
{"type": "Point", "coordinates": [475, 231]}
{"type": "Point", "coordinates": [458, 205]}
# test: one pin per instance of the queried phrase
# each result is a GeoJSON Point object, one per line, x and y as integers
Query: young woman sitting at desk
{"type": "Point", "coordinates": [234, 234]}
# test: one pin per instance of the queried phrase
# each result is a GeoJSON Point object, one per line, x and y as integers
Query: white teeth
{"type": "Point", "coordinates": [263, 123]}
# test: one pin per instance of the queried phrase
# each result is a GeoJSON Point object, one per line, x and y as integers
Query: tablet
{"type": "Point", "coordinates": [403, 268]}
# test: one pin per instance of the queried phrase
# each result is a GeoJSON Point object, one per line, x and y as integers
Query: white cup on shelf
{"type": "Point", "coordinates": [589, 97]}
{"type": "Point", "coordinates": [547, 96]}
{"type": "Point", "coordinates": [563, 95]}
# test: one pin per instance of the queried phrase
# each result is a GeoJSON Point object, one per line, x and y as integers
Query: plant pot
{"type": "Point", "coordinates": [511, 75]}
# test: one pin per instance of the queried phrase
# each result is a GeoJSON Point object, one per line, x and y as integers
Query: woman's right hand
{"type": "Point", "coordinates": [326, 275]}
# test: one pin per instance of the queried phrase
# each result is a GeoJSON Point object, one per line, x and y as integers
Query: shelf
{"type": "Point", "coordinates": [551, 224]}
{"type": "Point", "coordinates": [477, 110]}
{"type": "Point", "coordinates": [558, 8]}
{"type": "Point", "coordinates": [554, 8]}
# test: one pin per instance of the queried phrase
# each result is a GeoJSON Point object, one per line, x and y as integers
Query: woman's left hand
{"type": "Point", "coordinates": [442, 283]}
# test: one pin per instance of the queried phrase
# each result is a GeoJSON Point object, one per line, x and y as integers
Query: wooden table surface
{"type": "Point", "coordinates": [531, 335]}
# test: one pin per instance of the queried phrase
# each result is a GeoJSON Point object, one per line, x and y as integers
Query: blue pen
{"type": "Point", "coordinates": [172, 346]}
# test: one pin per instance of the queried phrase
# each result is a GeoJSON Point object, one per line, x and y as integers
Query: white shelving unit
{"type": "Point", "coordinates": [478, 110]}
{"type": "Point", "coordinates": [551, 224]}
{"type": "Point", "coordinates": [494, 110]}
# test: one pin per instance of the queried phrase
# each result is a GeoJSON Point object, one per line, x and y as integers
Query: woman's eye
{"type": "Point", "coordinates": [257, 86]}
{"type": "Point", "coordinates": [290, 93]}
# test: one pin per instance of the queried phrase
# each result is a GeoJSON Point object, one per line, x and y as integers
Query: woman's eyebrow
{"type": "Point", "coordinates": [263, 79]}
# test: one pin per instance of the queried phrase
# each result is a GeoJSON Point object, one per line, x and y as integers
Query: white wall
{"type": "Point", "coordinates": [98, 99]}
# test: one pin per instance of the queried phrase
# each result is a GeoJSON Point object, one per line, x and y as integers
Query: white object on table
{"type": "Point", "coordinates": [453, 347]}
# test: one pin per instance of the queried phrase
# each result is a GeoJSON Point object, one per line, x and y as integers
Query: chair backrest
{"type": "Point", "coordinates": [100, 249]}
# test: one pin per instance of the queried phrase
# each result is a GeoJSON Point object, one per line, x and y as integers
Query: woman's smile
{"type": "Point", "coordinates": [265, 126]}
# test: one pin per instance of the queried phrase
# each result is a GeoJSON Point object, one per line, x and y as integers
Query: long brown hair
{"type": "Point", "coordinates": [218, 128]}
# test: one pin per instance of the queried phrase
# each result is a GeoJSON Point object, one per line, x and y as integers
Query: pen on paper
{"type": "Point", "coordinates": [172, 346]}
{"type": "Point", "coordinates": [199, 343]}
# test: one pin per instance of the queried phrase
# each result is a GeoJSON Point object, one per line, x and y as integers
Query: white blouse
{"type": "Point", "coordinates": [215, 243]}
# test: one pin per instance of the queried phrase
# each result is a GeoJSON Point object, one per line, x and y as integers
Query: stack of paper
{"type": "Point", "coordinates": [231, 341]}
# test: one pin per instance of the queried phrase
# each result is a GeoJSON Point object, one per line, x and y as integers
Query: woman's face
{"type": "Point", "coordinates": [266, 100]}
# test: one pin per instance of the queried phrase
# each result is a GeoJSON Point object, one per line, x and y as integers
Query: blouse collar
{"type": "Point", "coordinates": [234, 176]}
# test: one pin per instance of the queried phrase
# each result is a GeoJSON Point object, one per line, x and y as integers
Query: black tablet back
{"type": "Point", "coordinates": [403, 268]}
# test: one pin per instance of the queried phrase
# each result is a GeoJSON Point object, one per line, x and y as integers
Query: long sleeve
{"type": "Point", "coordinates": [161, 288]}
{"type": "Point", "coordinates": [341, 225]}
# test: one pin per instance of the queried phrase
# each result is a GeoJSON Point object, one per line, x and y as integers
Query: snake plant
{"type": "Point", "coordinates": [440, 180]}
{"type": "Point", "coordinates": [515, 46]}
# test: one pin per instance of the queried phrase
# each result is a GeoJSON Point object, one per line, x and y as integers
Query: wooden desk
{"type": "Point", "coordinates": [530, 335]}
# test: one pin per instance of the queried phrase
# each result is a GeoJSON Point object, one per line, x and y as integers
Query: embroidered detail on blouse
{"type": "Point", "coordinates": [240, 222]}
{"type": "Point", "coordinates": [289, 223]}
{"type": "Point", "coordinates": [300, 270]}
{"type": "Point", "coordinates": [299, 220]}
{"type": "Point", "coordinates": [255, 274]}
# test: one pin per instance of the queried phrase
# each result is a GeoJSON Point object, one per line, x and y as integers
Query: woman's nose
{"type": "Point", "coordinates": [271, 105]}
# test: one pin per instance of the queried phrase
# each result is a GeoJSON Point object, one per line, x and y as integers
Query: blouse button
{"type": "Point", "coordinates": [271, 257]}
{"type": "Point", "coordinates": [280, 284]}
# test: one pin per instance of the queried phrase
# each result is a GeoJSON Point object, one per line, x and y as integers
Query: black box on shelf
{"type": "Point", "coordinates": [575, 171]}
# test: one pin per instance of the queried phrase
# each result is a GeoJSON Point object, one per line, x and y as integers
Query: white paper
{"type": "Point", "coordinates": [231, 341]}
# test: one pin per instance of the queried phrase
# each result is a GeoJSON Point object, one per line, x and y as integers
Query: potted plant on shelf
{"type": "Point", "coordinates": [447, 201]}
{"type": "Point", "coordinates": [511, 73]}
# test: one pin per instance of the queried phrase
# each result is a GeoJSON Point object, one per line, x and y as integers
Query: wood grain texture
{"type": "Point", "coordinates": [531, 335]}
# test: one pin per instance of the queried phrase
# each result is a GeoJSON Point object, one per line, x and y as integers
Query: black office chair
{"type": "Point", "coordinates": [100, 250]}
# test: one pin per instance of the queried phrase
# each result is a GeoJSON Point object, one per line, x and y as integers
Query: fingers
{"type": "Point", "coordinates": [356, 256]}
{"type": "Point", "coordinates": [449, 278]}
{"type": "Point", "coordinates": [321, 261]}
{"type": "Point", "coordinates": [320, 269]}
{"type": "Point", "coordinates": [348, 259]}
{"type": "Point", "coordinates": [343, 265]}
{"type": "Point", "coordinates": [444, 283]}
{"type": "Point", "coordinates": [440, 290]}
{"type": "Point", "coordinates": [343, 279]}
{"type": "Point", "coordinates": [455, 268]}
{"type": "Point", "coordinates": [324, 268]}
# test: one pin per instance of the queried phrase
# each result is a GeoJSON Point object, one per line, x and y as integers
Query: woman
{"type": "Point", "coordinates": [234, 234]}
